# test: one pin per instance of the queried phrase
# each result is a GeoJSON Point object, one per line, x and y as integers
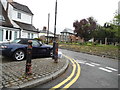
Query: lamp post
{"type": "Point", "coordinates": [55, 45]}
{"type": "Point", "coordinates": [48, 27]}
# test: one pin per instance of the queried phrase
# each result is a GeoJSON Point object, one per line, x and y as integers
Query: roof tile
{"type": "Point", "coordinates": [3, 13]}
{"type": "Point", "coordinates": [21, 7]}
{"type": "Point", "coordinates": [25, 26]}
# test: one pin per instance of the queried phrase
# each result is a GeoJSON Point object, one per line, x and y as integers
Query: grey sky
{"type": "Point", "coordinates": [69, 11]}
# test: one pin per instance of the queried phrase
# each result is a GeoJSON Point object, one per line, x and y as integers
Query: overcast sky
{"type": "Point", "coordinates": [70, 11]}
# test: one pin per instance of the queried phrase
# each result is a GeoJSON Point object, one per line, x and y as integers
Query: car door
{"type": "Point", "coordinates": [35, 48]}
{"type": "Point", "coordinates": [38, 50]}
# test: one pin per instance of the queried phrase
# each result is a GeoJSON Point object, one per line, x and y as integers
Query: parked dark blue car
{"type": "Point", "coordinates": [18, 48]}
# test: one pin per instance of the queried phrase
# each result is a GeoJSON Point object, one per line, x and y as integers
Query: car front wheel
{"type": "Point", "coordinates": [19, 55]}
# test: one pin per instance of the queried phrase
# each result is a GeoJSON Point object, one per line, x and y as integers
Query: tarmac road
{"type": "Point", "coordinates": [96, 72]}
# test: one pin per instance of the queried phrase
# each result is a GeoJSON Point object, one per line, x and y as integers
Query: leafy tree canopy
{"type": "Point", "coordinates": [85, 27]}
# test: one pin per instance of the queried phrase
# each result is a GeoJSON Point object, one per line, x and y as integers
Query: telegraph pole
{"type": "Point", "coordinates": [55, 21]}
{"type": "Point", "coordinates": [48, 27]}
{"type": "Point", "coordinates": [55, 45]}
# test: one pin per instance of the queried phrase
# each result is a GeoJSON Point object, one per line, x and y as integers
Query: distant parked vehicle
{"type": "Point", "coordinates": [17, 49]}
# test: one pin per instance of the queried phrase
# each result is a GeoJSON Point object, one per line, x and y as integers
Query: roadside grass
{"type": "Point", "coordinates": [109, 51]}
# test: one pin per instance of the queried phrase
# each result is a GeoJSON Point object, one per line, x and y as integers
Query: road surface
{"type": "Point", "coordinates": [95, 72]}
{"type": "Point", "coordinates": [92, 72]}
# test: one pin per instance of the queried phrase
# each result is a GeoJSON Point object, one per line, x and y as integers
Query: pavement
{"type": "Point", "coordinates": [43, 70]}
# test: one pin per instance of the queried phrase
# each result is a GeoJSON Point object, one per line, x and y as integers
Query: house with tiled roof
{"type": "Point", "coordinates": [65, 34]}
{"type": "Point", "coordinates": [68, 35]}
{"type": "Point", "coordinates": [7, 30]}
{"type": "Point", "coordinates": [21, 17]}
{"type": "Point", "coordinates": [44, 34]}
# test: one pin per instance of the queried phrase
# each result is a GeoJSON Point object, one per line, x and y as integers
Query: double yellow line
{"type": "Point", "coordinates": [74, 63]}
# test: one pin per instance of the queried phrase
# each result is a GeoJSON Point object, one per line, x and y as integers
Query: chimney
{"type": "Point", "coordinates": [9, 1]}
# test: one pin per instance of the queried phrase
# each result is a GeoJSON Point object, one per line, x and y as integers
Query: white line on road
{"type": "Point", "coordinates": [90, 64]}
{"type": "Point", "coordinates": [80, 61]}
{"type": "Point", "coordinates": [111, 68]}
{"type": "Point", "coordinates": [48, 58]}
{"type": "Point", "coordinates": [104, 69]}
{"type": "Point", "coordinates": [95, 64]}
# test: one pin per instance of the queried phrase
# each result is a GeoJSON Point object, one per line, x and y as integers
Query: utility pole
{"type": "Point", "coordinates": [48, 27]}
{"type": "Point", "coordinates": [55, 45]}
{"type": "Point", "coordinates": [55, 21]}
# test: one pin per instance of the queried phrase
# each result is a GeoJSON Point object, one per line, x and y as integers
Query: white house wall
{"type": "Point", "coordinates": [45, 34]}
{"type": "Point", "coordinates": [10, 9]}
{"type": "Point", "coordinates": [35, 35]}
{"type": "Point", "coordinates": [25, 18]}
{"type": "Point", "coordinates": [4, 3]}
{"type": "Point", "coordinates": [25, 34]}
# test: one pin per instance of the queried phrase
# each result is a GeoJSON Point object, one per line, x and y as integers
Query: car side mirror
{"type": "Point", "coordinates": [40, 44]}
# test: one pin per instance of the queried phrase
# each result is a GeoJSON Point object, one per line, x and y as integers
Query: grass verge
{"type": "Point", "coordinates": [109, 51]}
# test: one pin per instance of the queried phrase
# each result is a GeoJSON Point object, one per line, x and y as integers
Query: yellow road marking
{"type": "Point", "coordinates": [75, 79]}
{"type": "Point", "coordinates": [66, 80]}
{"type": "Point", "coordinates": [71, 75]}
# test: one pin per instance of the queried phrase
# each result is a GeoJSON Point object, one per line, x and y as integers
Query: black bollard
{"type": "Point", "coordinates": [28, 59]}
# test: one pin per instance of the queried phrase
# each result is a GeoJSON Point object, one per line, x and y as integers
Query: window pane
{"type": "Point", "coordinates": [35, 43]}
{"type": "Point", "coordinates": [15, 35]}
{"type": "Point", "coordinates": [1, 35]}
{"type": "Point", "coordinates": [7, 34]}
{"type": "Point", "coordinates": [19, 15]}
{"type": "Point", "coordinates": [10, 37]}
{"type": "Point", "coordinates": [32, 35]}
{"type": "Point", "coordinates": [28, 35]}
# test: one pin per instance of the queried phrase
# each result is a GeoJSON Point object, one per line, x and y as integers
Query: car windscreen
{"type": "Point", "coordinates": [16, 41]}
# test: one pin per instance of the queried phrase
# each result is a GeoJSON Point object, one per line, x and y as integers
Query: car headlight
{"type": "Point", "coordinates": [3, 47]}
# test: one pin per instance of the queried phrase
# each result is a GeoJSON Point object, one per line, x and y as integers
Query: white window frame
{"type": "Point", "coordinates": [19, 15]}
{"type": "Point", "coordinates": [32, 35]}
{"type": "Point", "coordinates": [8, 36]}
{"type": "Point", "coordinates": [15, 34]}
{"type": "Point", "coordinates": [28, 35]}
{"type": "Point", "coordinates": [1, 35]}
